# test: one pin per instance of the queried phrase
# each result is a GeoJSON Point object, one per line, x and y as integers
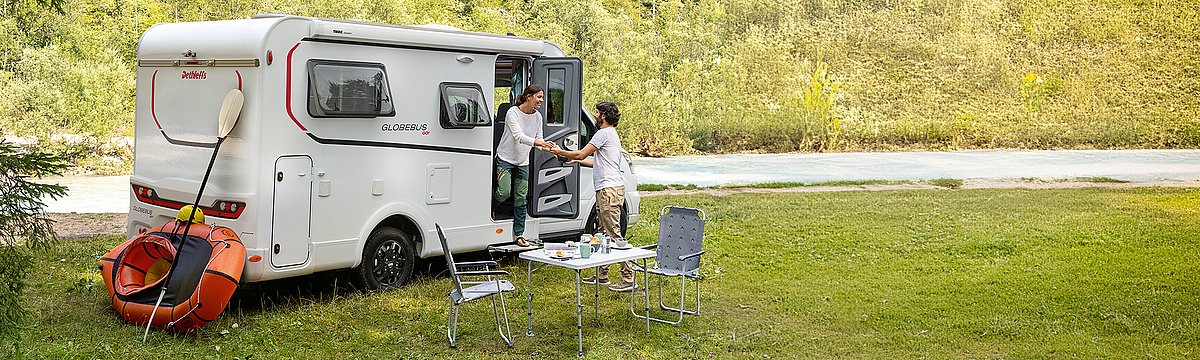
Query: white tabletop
{"type": "Point", "coordinates": [597, 259]}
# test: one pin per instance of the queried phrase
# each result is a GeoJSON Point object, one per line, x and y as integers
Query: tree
{"type": "Point", "coordinates": [24, 228]}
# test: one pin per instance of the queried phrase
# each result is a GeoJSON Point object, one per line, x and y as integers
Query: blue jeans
{"type": "Point", "coordinates": [513, 181]}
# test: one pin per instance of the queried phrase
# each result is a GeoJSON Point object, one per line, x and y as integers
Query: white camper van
{"type": "Point", "coordinates": [354, 140]}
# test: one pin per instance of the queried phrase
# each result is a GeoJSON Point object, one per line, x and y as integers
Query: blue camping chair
{"type": "Point", "coordinates": [680, 244]}
{"type": "Point", "coordinates": [476, 290]}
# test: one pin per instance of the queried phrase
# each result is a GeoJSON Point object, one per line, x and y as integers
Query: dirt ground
{"type": "Point", "coordinates": [74, 226]}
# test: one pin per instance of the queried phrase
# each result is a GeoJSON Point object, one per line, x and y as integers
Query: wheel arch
{"type": "Point", "coordinates": [591, 219]}
{"type": "Point", "coordinates": [403, 217]}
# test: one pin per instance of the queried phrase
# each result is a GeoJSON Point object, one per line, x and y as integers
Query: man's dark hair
{"type": "Point", "coordinates": [611, 114]}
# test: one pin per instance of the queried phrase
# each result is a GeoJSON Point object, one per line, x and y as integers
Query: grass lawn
{"type": "Point", "coordinates": [1070, 273]}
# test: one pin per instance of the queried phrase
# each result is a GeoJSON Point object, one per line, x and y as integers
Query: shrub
{"type": "Point", "coordinates": [23, 228]}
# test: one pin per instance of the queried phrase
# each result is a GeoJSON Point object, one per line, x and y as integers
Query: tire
{"type": "Point", "coordinates": [592, 223]}
{"type": "Point", "coordinates": [387, 261]}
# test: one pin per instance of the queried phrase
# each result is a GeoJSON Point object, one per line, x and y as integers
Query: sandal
{"type": "Point", "coordinates": [521, 242]}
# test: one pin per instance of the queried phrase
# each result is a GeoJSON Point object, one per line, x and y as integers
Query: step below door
{"type": "Point", "coordinates": [291, 213]}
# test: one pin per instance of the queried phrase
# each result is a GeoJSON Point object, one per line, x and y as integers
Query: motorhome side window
{"type": "Point", "coordinates": [586, 128]}
{"type": "Point", "coordinates": [463, 106]}
{"type": "Point", "coordinates": [348, 89]}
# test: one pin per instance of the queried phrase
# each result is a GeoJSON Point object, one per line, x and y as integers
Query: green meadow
{"type": "Point", "coordinates": [1064, 273]}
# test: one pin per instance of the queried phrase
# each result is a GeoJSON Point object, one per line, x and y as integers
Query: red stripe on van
{"type": "Point", "coordinates": [288, 90]}
{"type": "Point", "coordinates": [152, 114]}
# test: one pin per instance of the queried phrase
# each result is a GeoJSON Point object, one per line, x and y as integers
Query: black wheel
{"type": "Point", "coordinates": [388, 260]}
{"type": "Point", "coordinates": [593, 223]}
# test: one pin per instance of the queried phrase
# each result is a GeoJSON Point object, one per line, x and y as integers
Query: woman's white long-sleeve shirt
{"type": "Point", "coordinates": [522, 130]}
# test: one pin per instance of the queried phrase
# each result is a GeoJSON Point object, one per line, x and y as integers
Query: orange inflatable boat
{"type": "Point", "coordinates": [206, 270]}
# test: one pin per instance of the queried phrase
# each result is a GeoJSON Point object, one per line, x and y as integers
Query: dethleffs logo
{"type": "Point", "coordinates": [194, 75]}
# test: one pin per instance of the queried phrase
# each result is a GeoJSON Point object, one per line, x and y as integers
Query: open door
{"type": "Point", "coordinates": [554, 186]}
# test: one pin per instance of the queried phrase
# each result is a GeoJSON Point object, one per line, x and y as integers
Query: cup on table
{"type": "Point", "coordinates": [585, 250]}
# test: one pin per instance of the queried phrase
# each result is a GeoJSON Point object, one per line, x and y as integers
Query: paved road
{"type": "Point", "coordinates": [1132, 165]}
{"type": "Point", "coordinates": [111, 193]}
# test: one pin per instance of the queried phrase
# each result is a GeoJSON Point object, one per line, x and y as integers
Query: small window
{"type": "Point", "coordinates": [586, 128]}
{"type": "Point", "coordinates": [348, 89]}
{"type": "Point", "coordinates": [556, 97]}
{"type": "Point", "coordinates": [463, 106]}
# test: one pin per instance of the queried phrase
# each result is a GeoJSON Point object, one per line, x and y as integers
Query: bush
{"type": "Point", "coordinates": [23, 228]}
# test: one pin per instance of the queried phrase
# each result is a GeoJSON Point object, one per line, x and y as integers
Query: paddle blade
{"type": "Point", "coordinates": [231, 108]}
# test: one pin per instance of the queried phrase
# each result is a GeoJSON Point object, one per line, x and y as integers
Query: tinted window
{"type": "Point", "coordinates": [586, 129]}
{"type": "Point", "coordinates": [348, 89]}
{"type": "Point", "coordinates": [463, 106]}
{"type": "Point", "coordinates": [555, 100]}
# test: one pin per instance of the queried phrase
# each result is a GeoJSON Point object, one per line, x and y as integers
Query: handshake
{"type": "Point", "coordinates": [548, 147]}
{"type": "Point", "coordinates": [557, 151]}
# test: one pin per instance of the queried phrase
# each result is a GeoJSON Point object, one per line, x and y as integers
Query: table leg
{"type": "Point", "coordinates": [529, 290]}
{"type": "Point", "coordinates": [597, 295]}
{"type": "Point", "coordinates": [579, 312]}
{"type": "Point", "coordinates": [646, 290]}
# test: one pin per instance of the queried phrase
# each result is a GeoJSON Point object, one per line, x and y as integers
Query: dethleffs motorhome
{"type": "Point", "coordinates": [354, 140]}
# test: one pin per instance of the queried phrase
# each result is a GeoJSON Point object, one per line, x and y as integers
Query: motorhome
{"type": "Point", "coordinates": [355, 138]}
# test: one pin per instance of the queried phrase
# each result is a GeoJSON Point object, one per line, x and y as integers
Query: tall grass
{"type": "Point", "coordinates": [721, 76]}
{"type": "Point", "coordinates": [952, 74]}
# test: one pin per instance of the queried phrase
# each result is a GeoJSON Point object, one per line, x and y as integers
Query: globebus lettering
{"type": "Point", "coordinates": [405, 127]}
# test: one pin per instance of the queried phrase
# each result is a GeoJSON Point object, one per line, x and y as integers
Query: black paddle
{"type": "Point", "coordinates": [231, 108]}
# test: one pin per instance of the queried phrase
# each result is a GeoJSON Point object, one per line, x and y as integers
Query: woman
{"type": "Point", "coordinates": [524, 125]}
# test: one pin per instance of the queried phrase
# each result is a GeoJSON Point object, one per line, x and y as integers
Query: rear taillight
{"type": "Point", "coordinates": [220, 208]}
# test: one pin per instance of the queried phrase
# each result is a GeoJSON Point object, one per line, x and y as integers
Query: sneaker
{"type": "Point", "coordinates": [521, 242]}
{"type": "Point", "coordinates": [623, 286]}
{"type": "Point", "coordinates": [592, 280]}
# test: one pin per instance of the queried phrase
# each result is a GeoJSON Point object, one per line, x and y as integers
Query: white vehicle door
{"type": "Point", "coordinates": [290, 215]}
{"type": "Point", "coordinates": [554, 186]}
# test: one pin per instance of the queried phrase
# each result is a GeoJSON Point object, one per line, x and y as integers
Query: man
{"type": "Point", "coordinates": [610, 186]}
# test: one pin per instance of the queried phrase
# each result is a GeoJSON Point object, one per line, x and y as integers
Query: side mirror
{"type": "Point", "coordinates": [231, 108]}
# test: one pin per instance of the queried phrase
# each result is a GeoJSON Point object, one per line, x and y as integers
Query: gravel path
{"type": "Point", "coordinates": [967, 184]}
{"type": "Point", "coordinates": [80, 225]}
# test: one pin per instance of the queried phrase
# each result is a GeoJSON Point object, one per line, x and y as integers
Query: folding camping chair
{"type": "Point", "coordinates": [680, 244]}
{"type": "Point", "coordinates": [477, 290]}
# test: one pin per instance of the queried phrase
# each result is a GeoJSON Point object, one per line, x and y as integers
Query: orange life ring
{"type": "Point", "coordinates": [204, 272]}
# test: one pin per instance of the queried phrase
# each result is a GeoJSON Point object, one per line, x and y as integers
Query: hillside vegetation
{"type": "Point", "coordinates": [704, 76]}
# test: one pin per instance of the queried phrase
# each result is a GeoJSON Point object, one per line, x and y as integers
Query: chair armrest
{"type": "Point", "coordinates": [649, 247]}
{"type": "Point", "coordinates": [689, 256]}
{"type": "Point", "coordinates": [475, 263]}
{"type": "Point", "coordinates": [482, 273]}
